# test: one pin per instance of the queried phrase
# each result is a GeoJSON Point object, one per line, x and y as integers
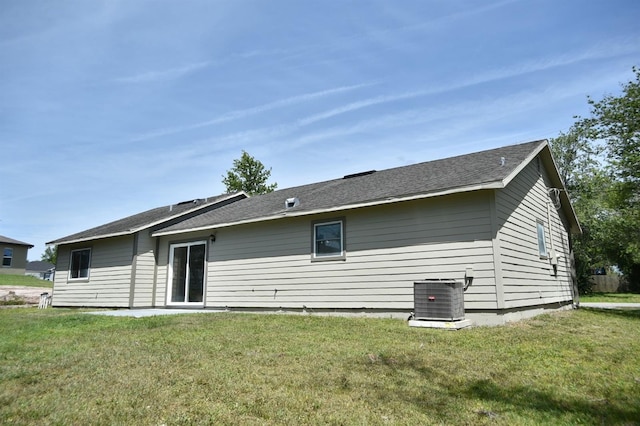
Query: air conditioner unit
{"type": "Point", "coordinates": [438, 299]}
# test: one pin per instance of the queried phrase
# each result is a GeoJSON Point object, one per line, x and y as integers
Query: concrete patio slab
{"type": "Point", "coordinates": [141, 313]}
{"type": "Point", "coordinates": [449, 325]}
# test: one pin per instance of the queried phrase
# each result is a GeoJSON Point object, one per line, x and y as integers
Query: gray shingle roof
{"type": "Point", "coordinates": [446, 175]}
{"type": "Point", "coordinates": [165, 214]}
{"type": "Point", "coordinates": [39, 266]}
{"type": "Point", "coordinates": [7, 240]}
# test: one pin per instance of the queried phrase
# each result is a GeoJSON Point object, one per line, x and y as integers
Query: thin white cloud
{"type": "Point", "coordinates": [612, 49]}
{"type": "Point", "coordinates": [243, 113]}
{"type": "Point", "coordinates": [162, 75]}
{"type": "Point", "coordinates": [362, 104]}
{"type": "Point", "coordinates": [354, 41]}
{"type": "Point", "coordinates": [447, 19]}
{"type": "Point", "coordinates": [604, 50]}
{"type": "Point", "coordinates": [467, 115]}
{"type": "Point", "coordinates": [260, 53]}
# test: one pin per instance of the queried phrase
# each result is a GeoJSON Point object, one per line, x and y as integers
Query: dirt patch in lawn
{"type": "Point", "coordinates": [17, 295]}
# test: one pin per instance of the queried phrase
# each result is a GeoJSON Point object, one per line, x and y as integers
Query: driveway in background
{"type": "Point", "coordinates": [602, 305]}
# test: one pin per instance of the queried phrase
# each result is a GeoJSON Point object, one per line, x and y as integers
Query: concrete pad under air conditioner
{"type": "Point", "coordinates": [449, 325]}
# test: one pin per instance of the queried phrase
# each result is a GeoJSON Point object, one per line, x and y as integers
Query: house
{"type": "Point", "coordinates": [40, 269]}
{"type": "Point", "coordinates": [353, 244]}
{"type": "Point", "coordinates": [14, 255]}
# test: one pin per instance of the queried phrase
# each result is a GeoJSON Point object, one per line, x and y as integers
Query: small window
{"type": "Point", "coordinates": [542, 240]}
{"type": "Point", "coordinates": [80, 260]}
{"type": "Point", "coordinates": [7, 257]}
{"type": "Point", "coordinates": [328, 240]}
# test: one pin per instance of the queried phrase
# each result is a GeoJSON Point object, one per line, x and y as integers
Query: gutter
{"type": "Point", "coordinates": [96, 237]}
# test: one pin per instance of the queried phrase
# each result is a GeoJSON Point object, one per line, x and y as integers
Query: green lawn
{"type": "Point", "coordinates": [24, 280]}
{"type": "Point", "coordinates": [611, 297]}
{"type": "Point", "coordinates": [65, 367]}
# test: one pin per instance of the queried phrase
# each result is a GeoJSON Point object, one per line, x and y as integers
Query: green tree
{"type": "Point", "coordinates": [50, 255]}
{"type": "Point", "coordinates": [576, 157]}
{"type": "Point", "coordinates": [587, 184]}
{"type": "Point", "coordinates": [615, 121]}
{"type": "Point", "coordinates": [248, 175]}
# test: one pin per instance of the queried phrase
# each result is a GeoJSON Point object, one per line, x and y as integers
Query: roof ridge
{"type": "Point", "coordinates": [420, 163]}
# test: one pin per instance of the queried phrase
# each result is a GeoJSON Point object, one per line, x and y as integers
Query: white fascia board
{"type": "Point", "coordinates": [566, 200]}
{"type": "Point", "coordinates": [158, 222]}
{"type": "Point", "coordinates": [564, 194]}
{"type": "Point", "coordinates": [391, 200]}
{"type": "Point", "coordinates": [97, 237]}
{"type": "Point", "coordinates": [524, 163]}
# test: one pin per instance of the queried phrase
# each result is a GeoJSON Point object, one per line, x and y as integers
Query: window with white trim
{"type": "Point", "coordinates": [328, 240]}
{"type": "Point", "coordinates": [7, 257]}
{"type": "Point", "coordinates": [542, 240]}
{"type": "Point", "coordinates": [79, 264]}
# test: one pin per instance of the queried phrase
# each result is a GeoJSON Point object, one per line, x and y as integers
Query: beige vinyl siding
{"type": "Point", "coordinates": [162, 272]}
{"type": "Point", "coordinates": [18, 260]}
{"type": "Point", "coordinates": [528, 278]}
{"type": "Point", "coordinates": [268, 265]}
{"type": "Point", "coordinates": [109, 275]}
{"type": "Point", "coordinates": [144, 270]}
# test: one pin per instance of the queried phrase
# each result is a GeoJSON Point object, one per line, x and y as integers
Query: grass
{"type": "Point", "coordinates": [12, 302]}
{"type": "Point", "coordinates": [611, 297]}
{"type": "Point", "coordinates": [24, 280]}
{"type": "Point", "coordinates": [65, 367]}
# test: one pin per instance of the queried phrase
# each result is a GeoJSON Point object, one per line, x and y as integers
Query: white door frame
{"type": "Point", "coordinates": [172, 248]}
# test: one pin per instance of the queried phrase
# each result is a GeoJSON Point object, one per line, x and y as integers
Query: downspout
{"type": "Point", "coordinates": [552, 253]}
{"type": "Point", "coordinates": [573, 284]}
{"type": "Point", "coordinates": [570, 259]}
{"type": "Point", "coordinates": [134, 267]}
{"type": "Point", "coordinates": [496, 251]}
{"type": "Point", "coordinates": [553, 258]}
{"type": "Point", "coordinates": [573, 273]}
{"type": "Point", "coordinates": [156, 256]}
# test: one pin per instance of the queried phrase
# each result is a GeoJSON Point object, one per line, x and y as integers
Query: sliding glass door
{"type": "Point", "coordinates": [186, 273]}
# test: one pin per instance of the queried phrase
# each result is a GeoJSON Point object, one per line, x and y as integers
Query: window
{"type": "Point", "coordinates": [542, 241]}
{"type": "Point", "coordinates": [7, 257]}
{"type": "Point", "coordinates": [79, 267]}
{"type": "Point", "coordinates": [328, 240]}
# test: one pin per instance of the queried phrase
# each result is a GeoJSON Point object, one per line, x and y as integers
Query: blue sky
{"type": "Point", "coordinates": [109, 108]}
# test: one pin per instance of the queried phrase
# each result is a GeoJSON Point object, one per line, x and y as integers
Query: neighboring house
{"type": "Point", "coordinates": [355, 244]}
{"type": "Point", "coordinates": [40, 269]}
{"type": "Point", "coordinates": [14, 255]}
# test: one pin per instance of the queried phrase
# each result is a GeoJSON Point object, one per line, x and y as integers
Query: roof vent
{"type": "Point", "coordinates": [291, 202]}
{"type": "Point", "coordinates": [359, 174]}
{"type": "Point", "coordinates": [182, 203]}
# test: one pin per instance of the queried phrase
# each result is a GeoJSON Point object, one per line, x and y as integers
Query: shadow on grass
{"type": "Point", "coordinates": [603, 411]}
{"type": "Point", "coordinates": [503, 399]}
